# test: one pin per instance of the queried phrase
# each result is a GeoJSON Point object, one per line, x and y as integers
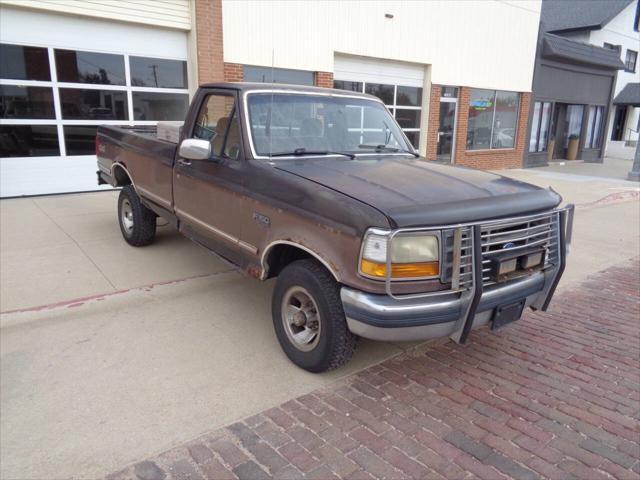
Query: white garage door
{"type": "Point", "coordinates": [61, 77]}
{"type": "Point", "coordinates": [398, 85]}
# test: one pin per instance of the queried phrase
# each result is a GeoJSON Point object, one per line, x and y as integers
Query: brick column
{"type": "Point", "coordinates": [208, 22]}
{"type": "Point", "coordinates": [323, 79]}
{"type": "Point", "coordinates": [233, 72]}
{"type": "Point", "coordinates": [433, 123]}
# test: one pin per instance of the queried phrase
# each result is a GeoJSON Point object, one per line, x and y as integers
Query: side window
{"type": "Point", "coordinates": [216, 121]}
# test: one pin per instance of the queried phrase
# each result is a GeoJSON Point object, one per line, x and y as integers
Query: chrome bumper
{"type": "Point", "coordinates": [454, 314]}
{"type": "Point", "coordinates": [380, 317]}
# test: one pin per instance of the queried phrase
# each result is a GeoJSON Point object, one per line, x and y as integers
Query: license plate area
{"type": "Point", "coordinates": [505, 314]}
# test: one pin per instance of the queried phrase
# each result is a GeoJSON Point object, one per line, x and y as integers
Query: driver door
{"type": "Point", "coordinates": [208, 193]}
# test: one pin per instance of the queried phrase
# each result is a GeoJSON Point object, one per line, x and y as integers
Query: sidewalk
{"type": "Point", "coordinates": [556, 395]}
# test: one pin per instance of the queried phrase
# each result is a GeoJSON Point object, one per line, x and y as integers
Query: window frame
{"type": "Point", "coordinates": [234, 113]}
{"type": "Point", "coordinates": [59, 122]}
{"type": "Point", "coordinates": [627, 68]}
{"type": "Point", "coordinates": [493, 122]}
{"type": "Point", "coordinates": [249, 131]}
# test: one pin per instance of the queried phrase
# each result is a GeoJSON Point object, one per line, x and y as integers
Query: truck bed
{"type": "Point", "coordinates": [141, 154]}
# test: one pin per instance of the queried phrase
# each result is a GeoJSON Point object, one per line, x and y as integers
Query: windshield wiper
{"type": "Point", "coordinates": [299, 152]}
{"type": "Point", "coordinates": [386, 148]}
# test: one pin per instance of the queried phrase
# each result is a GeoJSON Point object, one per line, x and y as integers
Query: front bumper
{"type": "Point", "coordinates": [380, 317]}
{"type": "Point", "coordinates": [472, 303]}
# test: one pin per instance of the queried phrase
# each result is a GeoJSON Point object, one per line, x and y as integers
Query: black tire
{"type": "Point", "coordinates": [335, 344]}
{"type": "Point", "coordinates": [138, 226]}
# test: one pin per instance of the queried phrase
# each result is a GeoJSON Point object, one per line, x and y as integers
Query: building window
{"type": "Point", "coordinates": [630, 61]}
{"type": "Point", "coordinates": [89, 67]}
{"type": "Point", "coordinates": [351, 86]}
{"type": "Point", "coordinates": [277, 75]}
{"type": "Point", "coordinates": [493, 117]}
{"type": "Point", "coordinates": [24, 63]}
{"type": "Point", "coordinates": [93, 88]}
{"type": "Point", "coordinates": [611, 46]}
{"type": "Point", "coordinates": [17, 101]}
{"type": "Point", "coordinates": [404, 103]}
{"type": "Point", "coordinates": [540, 127]}
{"type": "Point", "coordinates": [159, 106]}
{"type": "Point", "coordinates": [29, 140]}
{"type": "Point", "coordinates": [594, 127]}
{"type": "Point", "coordinates": [158, 73]}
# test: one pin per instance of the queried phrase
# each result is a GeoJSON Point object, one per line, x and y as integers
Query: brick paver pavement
{"type": "Point", "coordinates": [556, 395]}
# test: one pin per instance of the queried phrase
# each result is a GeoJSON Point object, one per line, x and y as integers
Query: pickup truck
{"type": "Point", "coordinates": [321, 189]}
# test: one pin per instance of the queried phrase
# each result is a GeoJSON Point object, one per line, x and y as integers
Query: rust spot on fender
{"type": "Point", "coordinates": [254, 271]}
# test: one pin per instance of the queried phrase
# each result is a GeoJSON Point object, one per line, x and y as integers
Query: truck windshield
{"type": "Point", "coordinates": [283, 123]}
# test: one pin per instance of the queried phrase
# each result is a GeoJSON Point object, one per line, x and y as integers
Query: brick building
{"type": "Point", "coordinates": [460, 89]}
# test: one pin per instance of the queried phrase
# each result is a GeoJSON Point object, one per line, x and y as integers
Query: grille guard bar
{"type": "Point", "coordinates": [471, 294]}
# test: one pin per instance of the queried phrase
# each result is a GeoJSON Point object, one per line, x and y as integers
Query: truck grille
{"type": "Point", "coordinates": [535, 231]}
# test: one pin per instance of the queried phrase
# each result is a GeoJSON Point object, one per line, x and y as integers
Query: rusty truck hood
{"type": "Point", "coordinates": [415, 192]}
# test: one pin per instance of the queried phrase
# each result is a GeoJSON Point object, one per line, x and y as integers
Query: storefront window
{"type": "Point", "coordinates": [594, 127]}
{"type": "Point", "coordinates": [540, 127]}
{"type": "Point", "coordinates": [493, 117]}
{"type": "Point", "coordinates": [481, 105]}
{"type": "Point", "coordinates": [574, 122]}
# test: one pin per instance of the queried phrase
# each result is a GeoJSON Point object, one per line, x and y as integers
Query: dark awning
{"type": "Point", "coordinates": [629, 95]}
{"type": "Point", "coordinates": [566, 50]}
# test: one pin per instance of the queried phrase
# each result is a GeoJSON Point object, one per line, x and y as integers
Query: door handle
{"type": "Point", "coordinates": [184, 163]}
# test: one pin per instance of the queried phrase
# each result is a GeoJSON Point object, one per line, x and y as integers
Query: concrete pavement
{"type": "Point", "coordinates": [131, 351]}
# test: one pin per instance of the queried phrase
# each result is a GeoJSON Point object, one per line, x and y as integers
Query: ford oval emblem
{"type": "Point", "coordinates": [508, 245]}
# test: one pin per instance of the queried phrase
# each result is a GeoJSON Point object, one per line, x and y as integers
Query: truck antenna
{"type": "Point", "coordinates": [271, 106]}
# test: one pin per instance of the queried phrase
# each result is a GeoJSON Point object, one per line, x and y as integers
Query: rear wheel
{"type": "Point", "coordinates": [308, 317]}
{"type": "Point", "coordinates": [137, 222]}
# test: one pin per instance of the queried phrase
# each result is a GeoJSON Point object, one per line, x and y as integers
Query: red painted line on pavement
{"type": "Point", "coordinates": [77, 302]}
{"type": "Point", "coordinates": [613, 198]}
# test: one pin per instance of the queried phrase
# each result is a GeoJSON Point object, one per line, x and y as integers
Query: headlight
{"type": "Point", "coordinates": [412, 255]}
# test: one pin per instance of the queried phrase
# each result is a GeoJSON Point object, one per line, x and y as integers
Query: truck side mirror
{"type": "Point", "coordinates": [195, 149]}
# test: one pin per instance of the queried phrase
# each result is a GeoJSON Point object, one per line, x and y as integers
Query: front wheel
{"type": "Point", "coordinates": [137, 222]}
{"type": "Point", "coordinates": [308, 317]}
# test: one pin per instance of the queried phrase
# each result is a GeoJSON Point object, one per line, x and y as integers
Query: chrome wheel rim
{"type": "Point", "coordinates": [126, 215]}
{"type": "Point", "coordinates": [301, 319]}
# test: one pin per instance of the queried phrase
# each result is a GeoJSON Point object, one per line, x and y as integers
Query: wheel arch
{"type": "Point", "coordinates": [121, 175]}
{"type": "Point", "coordinates": [280, 253]}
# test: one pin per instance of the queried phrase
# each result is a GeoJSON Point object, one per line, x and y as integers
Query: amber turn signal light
{"type": "Point", "coordinates": [400, 270]}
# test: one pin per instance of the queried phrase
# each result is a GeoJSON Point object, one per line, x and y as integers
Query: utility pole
{"type": "Point", "coordinates": [634, 174]}
{"type": "Point", "coordinates": [154, 68]}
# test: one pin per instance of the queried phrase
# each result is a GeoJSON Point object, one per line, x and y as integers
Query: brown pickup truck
{"type": "Point", "coordinates": [321, 189]}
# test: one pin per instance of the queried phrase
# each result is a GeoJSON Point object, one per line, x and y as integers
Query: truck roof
{"type": "Point", "coordinates": [245, 86]}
